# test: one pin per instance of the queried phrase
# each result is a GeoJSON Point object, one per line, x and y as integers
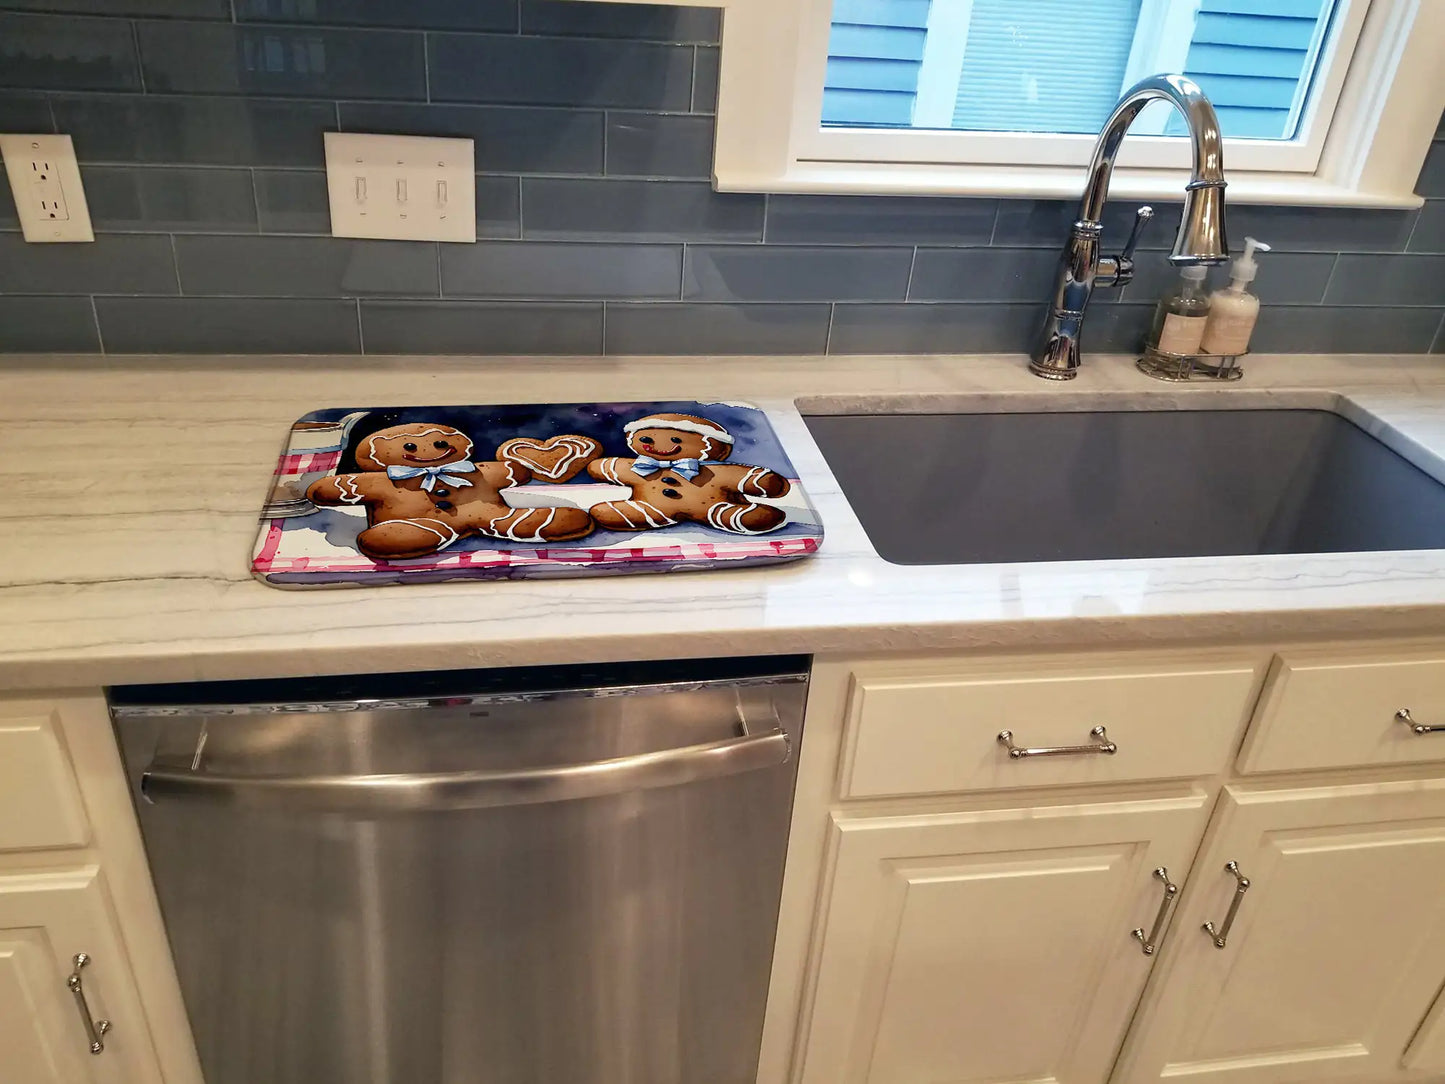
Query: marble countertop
{"type": "Point", "coordinates": [132, 487]}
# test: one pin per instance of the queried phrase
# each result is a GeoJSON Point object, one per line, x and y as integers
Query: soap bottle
{"type": "Point", "coordinates": [1234, 310]}
{"type": "Point", "coordinates": [1180, 319]}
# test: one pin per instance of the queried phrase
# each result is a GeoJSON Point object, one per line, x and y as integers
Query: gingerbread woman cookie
{"type": "Point", "coordinates": [680, 475]}
{"type": "Point", "coordinates": [421, 493]}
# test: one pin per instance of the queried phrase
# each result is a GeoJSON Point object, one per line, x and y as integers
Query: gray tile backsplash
{"type": "Point", "coordinates": [198, 124]}
{"type": "Point", "coordinates": [305, 267]}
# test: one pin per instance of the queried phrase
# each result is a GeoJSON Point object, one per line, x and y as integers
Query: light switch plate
{"type": "Point", "coordinates": [411, 188]}
{"type": "Point", "coordinates": [45, 180]}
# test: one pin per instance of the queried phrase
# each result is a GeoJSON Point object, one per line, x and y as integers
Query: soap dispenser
{"type": "Point", "coordinates": [1180, 319]}
{"type": "Point", "coordinates": [1234, 310]}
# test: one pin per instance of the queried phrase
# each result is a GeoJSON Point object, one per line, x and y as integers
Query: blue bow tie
{"type": "Point", "coordinates": [429, 476]}
{"type": "Point", "coordinates": [688, 468]}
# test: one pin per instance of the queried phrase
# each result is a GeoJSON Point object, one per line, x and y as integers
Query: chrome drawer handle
{"type": "Point", "coordinates": [1404, 716]}
{"type": "Point", "coordinates": [94, 1029]}
{"type": "Point", "coordinates": [1166, 905]}
{"type": "Point", "coordinates": [1102, 744]}
{"type": "Point", "coordinates": [1220, 936]}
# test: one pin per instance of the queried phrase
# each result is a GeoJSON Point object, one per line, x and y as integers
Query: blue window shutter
{"type": "Point", "coordinates": [874, 53]}
{"type": "Point", "coordinates": [1044, 65]}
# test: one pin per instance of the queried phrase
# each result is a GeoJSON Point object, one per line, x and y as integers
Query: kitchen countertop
{"type": "Point", "coordinates": [133, 486]}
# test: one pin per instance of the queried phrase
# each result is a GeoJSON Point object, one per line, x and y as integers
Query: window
{"type": "Point", "coordinates": [1320, 101]}
{"type": "Point", "coordinates": [997, 65]}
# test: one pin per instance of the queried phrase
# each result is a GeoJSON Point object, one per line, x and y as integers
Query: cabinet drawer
{"type": "Point", "coordinates": [39, 800]}
{"type": "Point", "coordinates": [1329, 712]}
{"type": "Point", "coordinates": [913, 732]}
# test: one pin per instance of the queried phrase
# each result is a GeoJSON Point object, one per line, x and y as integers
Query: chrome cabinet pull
{"type": "Point", "coordinates": [94, 1029]}
{"type": "Point", "coordinates": [1166, 905]}
{"type": "Point", "coordinates": [1220, 936]}
{"type": "Point", "coordinates": [1102, 744]}
{"type": "Point", "coordinates": [1404, 716]}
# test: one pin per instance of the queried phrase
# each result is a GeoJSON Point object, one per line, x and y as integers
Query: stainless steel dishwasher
{"type": "Point", "coordinates": [562, 875]}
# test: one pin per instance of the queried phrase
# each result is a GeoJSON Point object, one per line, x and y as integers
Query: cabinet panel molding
{"type": "Point", "coordinates": [1337, 951]}
{"type": "Point", "coordinates": [40, 804]}
{"type": "Point", "coordinates": [916, 732]}
{"type": "Point", "coordinates": [992, 945]}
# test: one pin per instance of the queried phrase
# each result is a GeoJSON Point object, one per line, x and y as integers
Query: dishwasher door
{"type": "Point", "coordinates": [555, 876]}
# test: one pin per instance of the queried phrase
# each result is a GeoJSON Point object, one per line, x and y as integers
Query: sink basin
{"type": "Point", "coordinates": [981, 488]}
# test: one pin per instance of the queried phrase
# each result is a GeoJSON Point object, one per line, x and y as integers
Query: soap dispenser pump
{"type": "Point", "coordinates": [1233, 310]}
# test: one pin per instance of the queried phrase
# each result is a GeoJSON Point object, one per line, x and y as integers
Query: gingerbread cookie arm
{"type": "Point", "coordinates": [752, 481]}
{"type": "Point", "coordinates": [363, 488]}
{"type": "Point", "coordinates": [499, 474]}
{"type": "Point", "coordinates": [613, 469]}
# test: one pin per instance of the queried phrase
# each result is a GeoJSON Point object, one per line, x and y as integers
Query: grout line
{"type": "Point", "coordinates": [828, 337]}
{"type": "Point", "coordinates": [692, 83]}
{"type": "Point", "coordinates": [606, 123]}
{"type": "Point", "coordinates": [767, 207]}
{"type": "Point", "coordinates": [95, 315]}
{"type": "Point", "coordinates": [336, 113]}
{"type": "Point", "coordinates": [176, 266]}
{"type": "Point", "coordinates": [1438, 342]}
{"type": "Point", "coordinates": [908, 285]}
{"type": "Point", "coordinates": [233, 12]}
{"type": "Point", "coordinates": [440, 292]}
{"type": "Point", "coordinates": [425, 62]}
{"type": "Point", "coordinates": [993, 230]}
{"type": "Point", "coordinates": [360, 334]}
{"type": "Point", "coordinates": [1419, 214]}
{"type": "Point", "coordinates": [50, 108]}
{"type": "Point", "coordinates": [255, 199]}
{"type": "Point", "coordinates": [604, 327]}
{"type": "Point", "coordinates": [682, 278]}
{"type": "Point", "coordinates": [140, 68]}
{"type": "Point", "coordinates": [1329, 280]}
{"type": "Point", "coordinates": [521, 233]}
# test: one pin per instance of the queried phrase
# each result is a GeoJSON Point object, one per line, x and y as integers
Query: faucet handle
{"type": "Point", "coordinates": [1141, 219]}
{"type": "Point", "coordinates": [1119, 270]}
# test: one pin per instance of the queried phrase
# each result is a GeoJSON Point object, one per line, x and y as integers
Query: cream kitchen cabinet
{"type": "Point", "coordinates": [1334, 964]}
{"type": "Point", "coordinates": [73, 879]}
{"type": "Point", "coordinates": [992, 945]}
{"type": "Point", "coordinates": [47, 918]}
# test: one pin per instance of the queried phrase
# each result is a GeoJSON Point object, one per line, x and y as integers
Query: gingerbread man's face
{"type": "Point", "coordinates": [668, 444]}
{"type": "Point", "coordinates": [420, 444]}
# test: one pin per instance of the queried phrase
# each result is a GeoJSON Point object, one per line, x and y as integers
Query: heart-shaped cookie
{"type": "Point", "coordinates": [556, 459]}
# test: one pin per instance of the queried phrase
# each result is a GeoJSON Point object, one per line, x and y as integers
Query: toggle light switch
{"type": "Point", "coordinates": [371, 180]}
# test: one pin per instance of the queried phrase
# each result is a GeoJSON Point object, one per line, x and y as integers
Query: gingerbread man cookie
{"type": "Point", "coordinates": [680, 475]}
{"type": "Point", "coordinates": [421, 493]}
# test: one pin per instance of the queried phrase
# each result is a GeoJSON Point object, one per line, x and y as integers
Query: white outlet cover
{"type": "Point", "coordinates": [409, 188]}
{"type": "Point", "coordinates": [45, 181]}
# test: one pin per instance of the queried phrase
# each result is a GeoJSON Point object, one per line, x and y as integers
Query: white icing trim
{"type": "Point", "coordinates": [609, 468]}
{"type": "Point", "coordinates": [697, 428]}
{"type": "Point", "coordinates": [646, 508]}
{"type": "Point", "coordinates": [444, 429]}
{"type": "Point", "coordinates": [349, 494]}
{"type": "Point", "coordinates": [422, 523]}
{"type": "Point", "coordinates": [616, 506]}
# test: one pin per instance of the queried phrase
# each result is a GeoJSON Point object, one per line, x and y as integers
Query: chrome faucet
{"type": "Point", "coordinates": [1201, 230]}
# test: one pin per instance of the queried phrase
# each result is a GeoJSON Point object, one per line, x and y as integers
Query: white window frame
{"type": "Point", "coordinates": [1362, 140]}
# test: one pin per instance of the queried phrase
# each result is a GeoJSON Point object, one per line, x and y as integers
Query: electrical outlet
{"type": "Point", "coordinates": [45, 180]}
{"type": "Point", "coordinates": [412, 188]}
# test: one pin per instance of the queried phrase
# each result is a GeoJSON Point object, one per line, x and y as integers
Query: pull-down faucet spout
{"type": "Point", "coordinates": [1200, 239]}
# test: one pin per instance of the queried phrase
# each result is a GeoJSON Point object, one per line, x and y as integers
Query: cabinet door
{"type": "Point", "coordinates": [989, 946]}
{"type": "Point", "coordinates": [45, 919]}
{"type": "Point", "coordinates": [1337, 951]}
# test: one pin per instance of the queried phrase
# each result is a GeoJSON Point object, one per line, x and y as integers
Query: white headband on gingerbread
{"type": "Point", "coordinates": [682, 425]}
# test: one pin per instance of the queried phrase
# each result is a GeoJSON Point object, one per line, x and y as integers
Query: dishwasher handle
{"type": "Point", "coordinates": [441, 791]}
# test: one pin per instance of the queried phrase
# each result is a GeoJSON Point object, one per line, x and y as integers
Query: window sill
{"type": "Point", "coordinates": [1024, 182]}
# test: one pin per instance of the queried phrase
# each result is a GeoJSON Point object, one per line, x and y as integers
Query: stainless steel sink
{"type": "Point", "coordinates": [982, 488]}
